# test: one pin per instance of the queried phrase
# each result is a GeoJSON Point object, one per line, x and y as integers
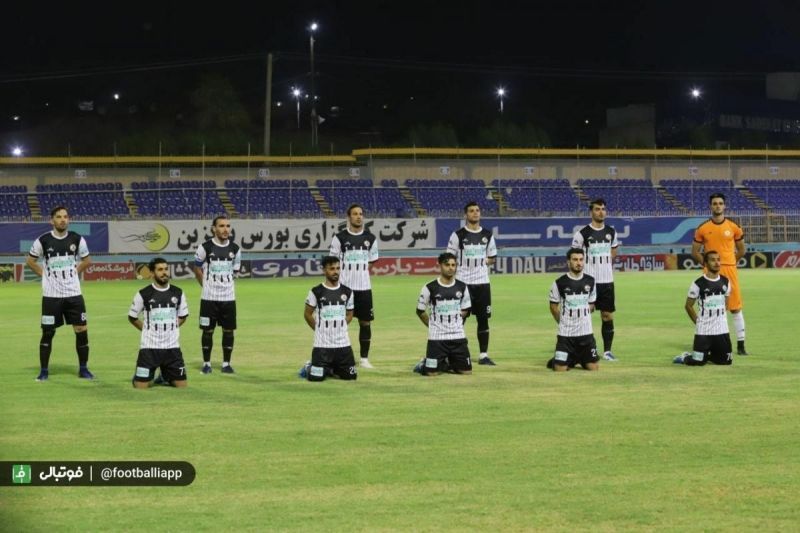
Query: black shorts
{"type": "Point", "coordinates": [605, 297]}
{"type": "Point", "coordinates": [217, 313]}
{"type": "Point", "coordinates": [481, 298]}
{"type": "Point", "coordinates": [444, 356]}
{"type": "Point", "coordinates": [711, 348]}
{"type": "Point", "coordinates": [170, 361]}
{"type": "Point", "coordinates": [362, 305]}
{"type": "Point", "coordinates": [339, 362]}
{"type": "Point", "coordinates": [57, 311]}
{"type": "Point", "coordinates": [571, 351]}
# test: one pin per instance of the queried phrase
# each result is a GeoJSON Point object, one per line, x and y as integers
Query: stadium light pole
{"type": "Point", "coordinates": [313, 27]}
{"type": "Point", "coordinates": [501, 92]}
{"type": "Point", "coordinates": [296, 93]}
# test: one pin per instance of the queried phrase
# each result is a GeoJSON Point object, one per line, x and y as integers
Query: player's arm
{"type": "Point", "coordinates": [34, 254]}
{"type": "Point", "coordinates": [34, 265]}
{"type": "Point", "coordinates": [614, 246]}
{"type": "Point", "coordinates": [491, 251]}
{"type": "Point", "coordinates": [83, 265]}
{"type": "Point", "coordinates": [183, 310]}
{"type": "Point", "coordinates": [696, 252]}
{"type": "Point", "coordinates": [689, 306]}
{"type": "Point", "coordinates": [199, 261]}
{"type": "Point", "coordinates": [555, 312]}
{"type": "Point", "coordinates": [83, 252]}
{"type": "Point", "coordinates": [740, 248]}
{"type": "Point", "coordinates": [349, 316]}
{"type": "Point", "coordinates": [422, 305]}
{"type": "Point", "coordinates": [198, 274]}
{"type": "Point", "coordinates": [137, 306]}
{"type": "Point", "coordinates": [308, 314]}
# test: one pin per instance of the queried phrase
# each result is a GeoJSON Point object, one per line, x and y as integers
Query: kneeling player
{"type": "Point", "coordinates": [449, 303]}
{"type": "Point", "coordinates": [329, 309]}
{"type": "Point", "coordinates": [164, 309]}
{"type": "Point", "coordinates": [712, 341]}
{"type": "Point", "coordinates": [572, 298]}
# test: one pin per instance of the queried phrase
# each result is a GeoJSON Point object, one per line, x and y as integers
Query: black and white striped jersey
{"type": "Point", "coordinates": [597, 243]}
{"type": "Point", "coordinates": [60, 257]}
{"type": "Point", "coordinates": [331, 306]}
{"type": "Point", "coordinates": [574, 296]}
{"type": "Point", "coordinates": [219, 262]}
{"type": "Point", "coordinates": [355, 251]}
{"type": "Point", "coordinates": [160, 310]}
{"type": "Point", "coordinates": [444, 304]}
{"type": "Point", "coordinates": [710, 295]}
{"type": "Point", "coordinates": [472, 248]}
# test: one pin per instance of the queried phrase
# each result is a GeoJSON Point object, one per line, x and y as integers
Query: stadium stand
{"type": "Point", "coordinates": [693, 194]}
{"type": "Point", "coordinates": [14, 202]}
{"type": "Point", "coordinates": [383, 201]}
{"type": "Point", "coordinates": [448, 197]}
{"type": "Point", "coordinates": [177, 198]}
{"type": "Point", "coordinates": [627, 196]}
{"type": "Point", "coordinates": [539, 197]}
{"type": "Point", "coordinates": [275, 198]}
{"type": "Point", "coordinates": [779, 195]}
{"type": "Point", "coordinates": [97, 200]}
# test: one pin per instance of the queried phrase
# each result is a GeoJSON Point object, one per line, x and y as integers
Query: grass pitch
{"type": "Point", "coordinates": [643, 444]}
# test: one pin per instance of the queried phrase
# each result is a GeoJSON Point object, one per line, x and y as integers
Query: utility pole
{"type": "Point", "coordinates": [268, 107]}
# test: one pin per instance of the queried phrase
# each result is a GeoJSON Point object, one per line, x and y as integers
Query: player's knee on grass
{"type": "Point", "coordinates": [316, 373]}
{"type": "Point", "coordinates": [695, 359]}
{"type": "Point", "coordinates": [431, 367]}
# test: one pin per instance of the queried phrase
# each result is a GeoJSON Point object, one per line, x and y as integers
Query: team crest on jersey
{"type": "Point", "coordinates": [174, 300]}
{"type": "Point", "coordinates": [727, 233]}
{"type": "Point", "coordinates": [343, 297]}
{"type": "Point", "coordinates": [458, 294]}
{"type": "Point", "coordinates": [72, 247]}
{"type": "Point", "coordinates": [587, 288]}
{"type": "Point", "coordinates": [366, 243]}
{"type": "Point", "coordinates": [484, 240]}
{"type": "Point", "coordinates": [608, 237]}
{"type": "Point", "coordinates": [230, 255]}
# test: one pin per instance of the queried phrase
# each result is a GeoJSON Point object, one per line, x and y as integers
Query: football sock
{"type": "Point", "coordinates": [227, 346]}
{"type": "Point", "coordinates": [483, 334]}
{"type": "Point", "coordinates": [364, 340]}
{"type": "Point", "coordinates": [483, 355]}
{"type": "Point", "coordinates": [82, 347]}
{"type": "Point", "coordinates": [206, 342]}
{"type": "Point", "coordinates": [45, 347]}
{"type": "Point", "coordinates": [738, 325]}
{"type": "Point", "coordinates": [607, 330]}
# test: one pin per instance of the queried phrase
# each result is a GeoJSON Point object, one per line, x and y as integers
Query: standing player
{"type": "Point", "coordinates": [726, 237]}
{"type": "Point", "coordinates": [217, 261]}
{"type": "Point", "coordinates": [449, 303]}
{"type": "Point", "coordinates": [475, 251]}
{"type": "Point", "coordinates": [164, 309]}
{"type": "Point", "coordinates": [328, 311]}
{"type": "Point", "coordinates": [712, 340]}
{"type": "Point", "coordinates": [357, 248]}
{"type": "Point", "coordinates": [64, 257]}
{"type": "Point", "coordinates": [600, 244]}
{"type": "Point", "coordinates": [572, 299]}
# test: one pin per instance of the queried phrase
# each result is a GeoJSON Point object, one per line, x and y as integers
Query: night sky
{"type": "Point", "coordinates": [388, 66]}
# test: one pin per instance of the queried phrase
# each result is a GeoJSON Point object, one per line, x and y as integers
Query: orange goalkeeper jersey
{"type": "Point", "coordinates": [720, 237]}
